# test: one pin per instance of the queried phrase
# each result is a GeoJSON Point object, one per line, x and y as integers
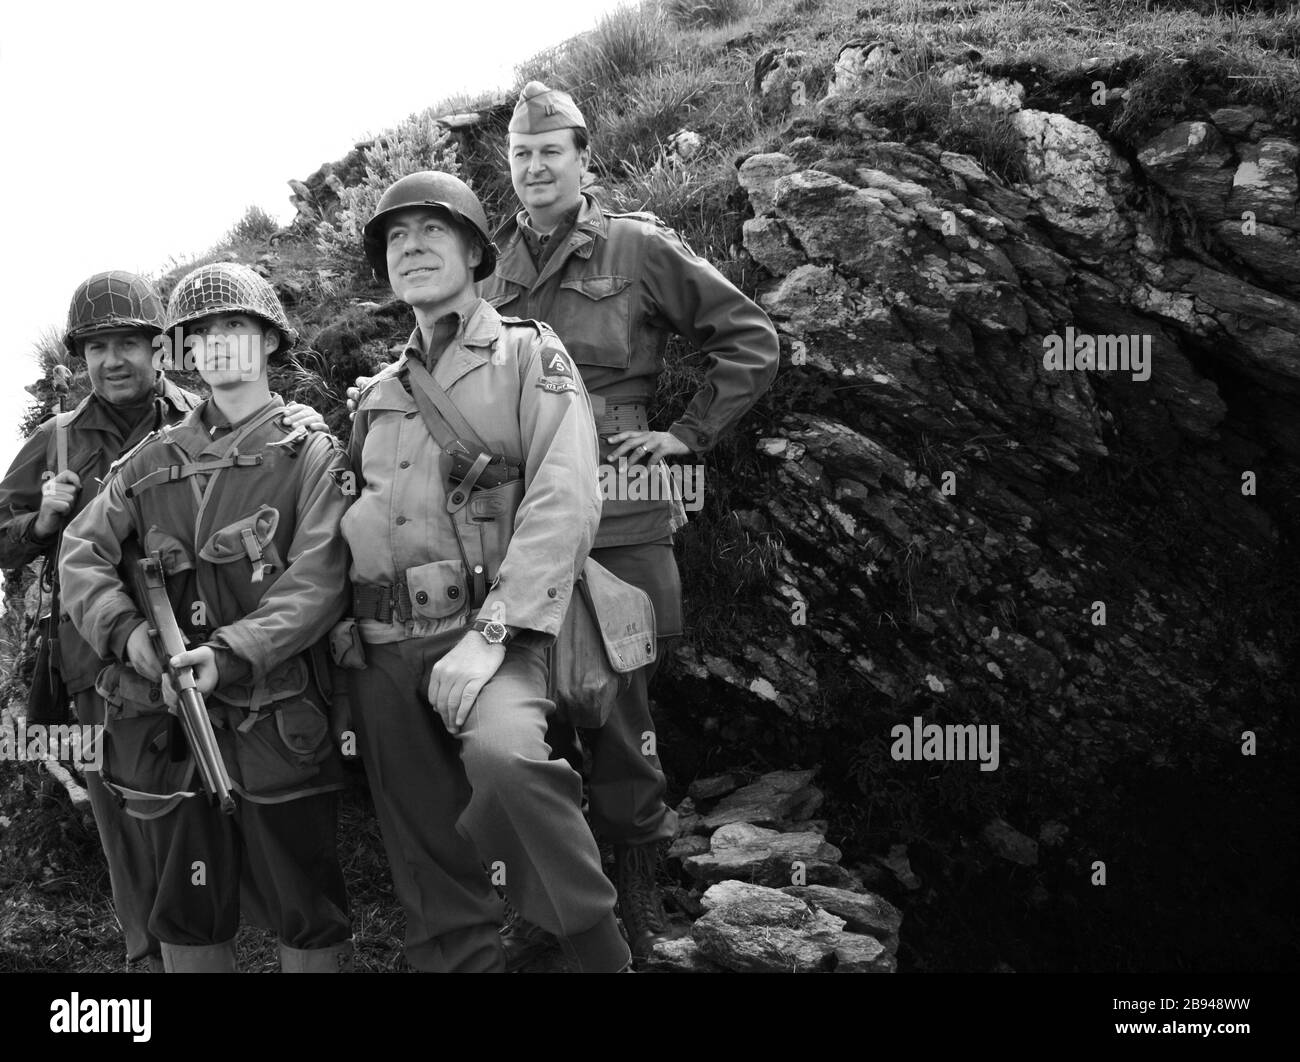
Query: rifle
{"type": "Point", "coordinates": [165, 633]}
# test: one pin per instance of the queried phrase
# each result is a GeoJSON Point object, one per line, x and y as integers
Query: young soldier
{"type": "Point", "coordinates": [244, 514]}
{"type": "Point", "coordinates": [458, 592]}
{"type": "Point", "coordinates": [614, 286]}
{"type": "Point", "coordinates": [114, 323]}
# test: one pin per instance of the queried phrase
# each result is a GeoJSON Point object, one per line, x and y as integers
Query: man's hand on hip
{"type": "Point", "coordinates": [653, 446]}
{"type": "Point", "coordinates": [458, 677]}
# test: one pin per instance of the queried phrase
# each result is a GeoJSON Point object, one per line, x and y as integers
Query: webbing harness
{"type": "Point", "coordinates": [172, 473]}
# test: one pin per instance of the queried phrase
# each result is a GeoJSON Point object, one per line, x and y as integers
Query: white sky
{"type": "Point", "coordinates": [133, 131]}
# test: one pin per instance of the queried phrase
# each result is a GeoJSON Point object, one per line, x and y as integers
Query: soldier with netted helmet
{"type": "Point", "coordinates": [466, 537]}
{"type": "Point", "coordinates": [114, 331]}
{"type": "Point", "coordinates": [113, 321]}
{"type": "Point", "coordinates": [243, 513]}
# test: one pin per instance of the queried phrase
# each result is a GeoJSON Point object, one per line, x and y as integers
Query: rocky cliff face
{"type": "Point", "coordinates": [978, 373]}
{"type": "Point", "coordinates": [1031, 462]}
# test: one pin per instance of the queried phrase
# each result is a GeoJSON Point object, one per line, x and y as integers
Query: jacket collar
{"type": "Point", "coordinates": [90, 413]}
{"type": "Point", "coordinates": [196, 436]}
{"type": "Point", "coordinates": [515, 265]}
{"type": "Point", "coordinates": [469, 348]}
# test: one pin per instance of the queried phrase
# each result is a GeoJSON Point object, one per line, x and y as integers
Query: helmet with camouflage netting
{"type": "Point", "coordinates": [224, 287]}
{"type": "Point", "coordinates": [112, 301]}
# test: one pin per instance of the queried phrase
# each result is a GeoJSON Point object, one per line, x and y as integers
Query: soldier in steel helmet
{"type": "Point", "coordinates": [463, 561]}
{"type": "Point", "coordinates": [115, 322]}
{"type": "Point", "coordinates": [244, 514]}
{"type": "Point", "coordinates": [614, 287]}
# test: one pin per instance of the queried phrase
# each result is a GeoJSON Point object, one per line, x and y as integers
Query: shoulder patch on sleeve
{"type": "Point", "coordinates": [555, 363]}
{"type": "Point", "coordinates": [557, 370]}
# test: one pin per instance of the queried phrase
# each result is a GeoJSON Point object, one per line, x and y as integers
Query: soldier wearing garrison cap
{"type": "Point", "coordinates": [541, 110]}
{"type": "Point", "coordinates": [115, 323]}
{"type": "Point", "coordinates": [614, 287]}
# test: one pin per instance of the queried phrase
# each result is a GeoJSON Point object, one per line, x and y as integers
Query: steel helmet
{"type": "Point", "coordinates": [225, 286]}
{"type": "Point", "coordinates": [429, 188]}
{"type": "Point", "coordinates": [111, 301]}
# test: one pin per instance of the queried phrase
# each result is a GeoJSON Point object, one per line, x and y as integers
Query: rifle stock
{"type": "Point", "coordinates": [165, 632]}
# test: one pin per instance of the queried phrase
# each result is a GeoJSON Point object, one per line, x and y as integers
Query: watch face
{"type": "Point", "coordinates": [494, 632]}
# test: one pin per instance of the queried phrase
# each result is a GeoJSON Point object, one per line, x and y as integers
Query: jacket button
{"type": "Point", "coordinates": [401, 520]}
{"type": "Point", "coordinates": [453, 592]}
{"type": "Point", "coordinates": [405, 464]}
{"type": "Point", "coordinates": [154, 694]}
{"type": "Point", "coordinates": [457, 498]}
{"type": "Point", "coordinates": [421, 598]}
{"type": "Point", "coordinates": [551, 592]}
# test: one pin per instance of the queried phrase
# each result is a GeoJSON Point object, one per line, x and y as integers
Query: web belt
{"type": "Point", "coordinates": [384, 602]}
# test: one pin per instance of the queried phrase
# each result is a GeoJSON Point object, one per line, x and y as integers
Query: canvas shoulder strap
{"type": "Point", "coordinates": [445, 422]}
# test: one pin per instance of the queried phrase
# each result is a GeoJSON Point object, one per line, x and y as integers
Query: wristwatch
{"type": "Point", "coordinates": [493, 632]}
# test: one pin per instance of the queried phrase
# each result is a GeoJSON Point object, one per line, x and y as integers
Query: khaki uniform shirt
{"type": "Point", "coordinates": [514, 383]}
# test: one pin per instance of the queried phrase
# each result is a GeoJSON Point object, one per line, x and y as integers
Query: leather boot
{"type": "Point", "coordinates": [199, 958]}
{"type": "Point", "coordinates": [525, 943]}
{"type": "Point", "coordinates": [639, 903]}
{"type": "Point", "coordinates": [337, 958]}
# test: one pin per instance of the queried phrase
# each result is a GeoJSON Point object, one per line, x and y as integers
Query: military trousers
{"type": "Point", "coordinates": [126, 847]}
{"type": "Point", "coordinates": [488, 806]}
{"type": "Point", "coordinates": [285, 852]}
{"type": "Point", "coordinates": [626, 785]}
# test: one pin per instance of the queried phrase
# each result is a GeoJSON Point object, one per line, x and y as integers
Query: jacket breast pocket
{"type": "Point", "coordinates": [593, 317]}
{"type": "Point", "coordinates": [250, 540]}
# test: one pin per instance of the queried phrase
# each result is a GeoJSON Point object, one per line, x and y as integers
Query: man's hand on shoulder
{"type": "Point", "coordinates": [458, 677]}
{"type": "Point", "coordinates": [298, 415]}
{"type": "Point", "coordinates": [354, 394]}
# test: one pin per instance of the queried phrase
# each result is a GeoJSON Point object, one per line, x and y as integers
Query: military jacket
{"type": "Point", "coordinates": [514, 383]}
{"type": "Point", "coordinates": [247, 528]}
{"type": "Point", "coordinates": [614, 291]}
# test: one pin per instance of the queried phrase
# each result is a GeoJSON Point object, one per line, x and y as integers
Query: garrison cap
{"type": "Point", "coordinates": [541, 109]}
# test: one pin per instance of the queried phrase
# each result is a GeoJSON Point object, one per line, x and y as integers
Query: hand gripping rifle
{"type": "Point", "coordinates": [165, 633]}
